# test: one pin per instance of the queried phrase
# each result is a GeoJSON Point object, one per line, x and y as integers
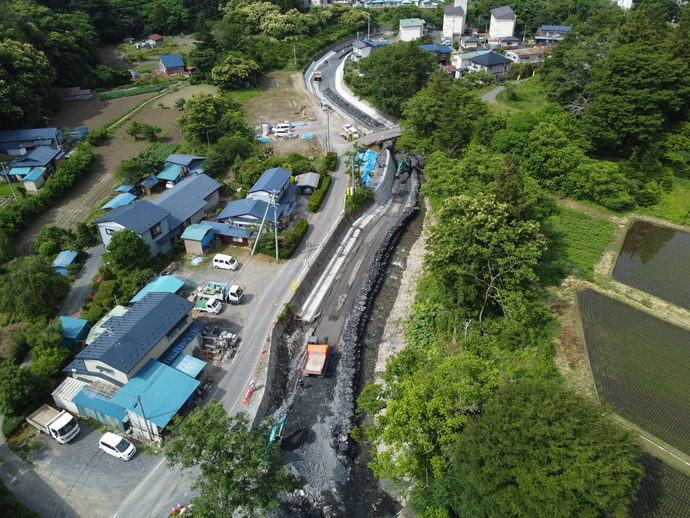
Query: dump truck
{"type": "Point", "coordinates": [219, 290]}
{"type": "Point", "coordinates": [211, 305]}
{"type": "Point", "coordinates": [317, 357]}
{"type": "Point", "coordinates": [60, 425]}
{"type": "Point", "coordinates": [317, 75]}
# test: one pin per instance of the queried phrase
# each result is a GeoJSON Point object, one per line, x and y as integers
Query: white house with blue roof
{"type": "Point", "coordinates": [251, 210]}
{"type": "Point", "coordinates": [170, 65]}
{"type": "Point", "coordinates": [139, 355]}
{"type": "Point", "coordinates": [20, 142]}
{"type": "Point", "coordinates": [161, 221]}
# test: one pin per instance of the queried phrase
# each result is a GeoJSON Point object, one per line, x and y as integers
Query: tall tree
{"type": "Point", "coordinates": [239, 472]}
{"type": "Point", "coordinates": [539, 449]}
{"type": "Point", "coordinates": [206, 117]}
{"type": "Point", "coordinates": [127, 252]}
{"type": "Point", "coordinates": [234, 71]}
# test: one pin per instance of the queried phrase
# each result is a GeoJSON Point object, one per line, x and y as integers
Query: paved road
{"type": "Point", "coordinates": [80, 288]}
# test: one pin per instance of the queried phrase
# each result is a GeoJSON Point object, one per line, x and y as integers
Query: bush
{"type": "Point", "coordinates": [330, 162]}
{"type": "Point", "coordinates": [317, 196]}
{"type": "Point", "coordinates": [95, 137]}
{"type": "Point", "coordinates": [288, 241]}
{"type": "Point", "coordinates": [360, 199]}
{"type": "Point", "coordinates": [12, 423]}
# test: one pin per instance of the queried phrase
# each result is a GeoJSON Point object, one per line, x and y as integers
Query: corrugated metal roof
{"type": "Point", "coordinates": [225, 229]}
{"type": "Point", "coordinates": [557, 28]}
{"type": "Point", "coordinates": [40, 156]}
{"type": "Point", "coordinates": [503, 13]}
{"type": "Point", "coordinates": [120, 201]}
{"type": "Point", "coordinates": [172, 60]}
{"type": "Point", "coordinates": [149, 182]}
{"type": "Point", "coordinates": [128, 338]}
{"type": "Point", "coordinates": [34, 175]}
{"type": "Point", "coordinates": [188, 365]}
{"type": "Point", "coordinates": [74, 328]}
{"type": "Point", "coordinates": [439, 49]}
{"type": "Point", "coordinates": [411, 22]}
{"type": "Point", "coordinates": [187, 198]}
{"type": "Point", "coordinates": [182, 341]}
{"type": "Point", "coordinates": [162, 389]}
{"type": "Point", "coordinates": [164, 284]}
{"type": "Point", "coordinates": [308, 179]}
{"type": "Point", "coordinates": [124, 188]}
{"type": "Point", "coordinates": [99, 402]}
{"type": "Point", "coordinates": [28, 134]}
{"type": "Point", "coordinates": [20, 171]}
{"type": "Point", "coordinates": [68, 389]}
{"type": "Point", "coordinates": [246, 207]}
{"type": "Point", "coordinates": [139, 216]}
{"type": "Point", "coordinates": [272, 180]}
{"type": "Point", "coordinates": [65, 258]}
{"type": "Point", "coordinates": [183, 159]}
{"type": "Point", "coordinates": [196, 232]}
{"type": "Point", "coordinates": [170, 172]}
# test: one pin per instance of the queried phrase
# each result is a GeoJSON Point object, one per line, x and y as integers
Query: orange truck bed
{"type": "Point", "coordinates": [317, 356]}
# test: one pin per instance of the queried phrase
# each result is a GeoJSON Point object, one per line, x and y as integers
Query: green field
{"type": "Point", "coordinates": [575, 244]}
{"type": "Point", "coordinates": [665, 492]}
{"type": "Point", "coordinates": [654, 259]}
{"type": "Point", "coordinates": [641, 366]}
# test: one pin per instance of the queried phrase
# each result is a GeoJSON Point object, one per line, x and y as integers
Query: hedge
{"type": "Point", "coordinates": [317, 196]}
{"type": "Point", "coordinates": [288, 241]}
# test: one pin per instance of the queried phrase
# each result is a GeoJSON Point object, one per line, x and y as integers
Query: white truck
{"type": "Point", "coordinates": [60, 425]}
{"type": "Point", "coordinates": [219, 290]}
{"type": "Point", "coordinates": [212, 305]}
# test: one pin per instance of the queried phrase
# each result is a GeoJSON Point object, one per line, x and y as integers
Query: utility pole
{"type": "Point", "coordinates": [146, 422]}
{"type": "Point", "coordinates": [275, 219]}
{"type": "Point", "coordinates": [7, 178]}
{"type": "Point", "coordinates": [328, 129]}
{"type": "Point", "coordinates": [294, 53]}
{"type": "Point", "coordinates": [368, 26]}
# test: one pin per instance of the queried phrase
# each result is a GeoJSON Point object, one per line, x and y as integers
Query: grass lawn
{"type": "Point", "coordinates": [5, 189]}
{"type": "Point", "coordinates": [518, 97]}
{"type": "Point", "coordinates": [673, 206]}
{"type": "Point", "coordinates": [244, 95]}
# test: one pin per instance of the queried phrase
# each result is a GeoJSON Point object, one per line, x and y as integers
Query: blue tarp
{"type": "Point", "coordinates": [368, 164]}
{"type": "Point", "coordinates": [304, 137]}
{"type": "Point", "coordinates": [264, 139]}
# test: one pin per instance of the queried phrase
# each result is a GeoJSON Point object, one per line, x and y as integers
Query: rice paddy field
{"type": "Point", "coordinates": [655, 259]}
{"type": "Point", "coordinates": [641, 366]}
{"type": "Point", "coordinates": [664, 493]}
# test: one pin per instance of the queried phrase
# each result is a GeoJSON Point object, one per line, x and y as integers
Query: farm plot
{"type": "Point", "coordinates": [641, 366]}
{"type": "Point", "coordinates": [655, 259]}
{"type": "Point", "coordinates": [155, 115]}
{"type": "Point", "coordinates": [664, 493]}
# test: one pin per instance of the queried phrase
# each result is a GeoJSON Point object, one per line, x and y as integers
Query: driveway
{"type": "Point", "coordinates": [80, 287]}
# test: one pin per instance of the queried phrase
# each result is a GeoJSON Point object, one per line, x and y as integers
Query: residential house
{"type": "Point", "coordinates": [441, 53]}
{"type": "Point", "coordinates": [145, 218]}
{"type": "Point", "coordinates": [64, 260]}
{"type": "Point", "coordinates": [509, 42]}
{"type": "Point", "coordinates": [35, 167]}
{"type": "Point", "coordinates": [274, 183]}
{"type": "Point", "coordinates": [502, 22]}
{"type": "Point", "coordinates": [454, 19]}
{"type": "Point", "coordinates": [491, 62]}
{"type": "Point", "coordinates": [178, 166]}
{"type": "Point", "coordinates": [171, 64]}
{"type": "Point", "coordinates": [411, 28]}
{"type": "Point", "coordinates": [20, 142]}
{"type": "Point", "coordinates": [153, 40]}
{"type": "Point", "coordinates": [136, 361]}
{"type": "Point", "coordinates": [461, 62]}
{"type": "Point", "coordinates": [551, 34]}
{"type": "Point", "coordinates": [189, 201]}
{"type": "Point", "coordinates": [362, 48]}
{"type": "Point", "coordinates": [468, 43]}
{"type": "Point", "coordinates": [530, 55]}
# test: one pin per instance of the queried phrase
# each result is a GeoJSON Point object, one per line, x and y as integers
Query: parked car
{"type": "Point", "coordinates": [117, 446]}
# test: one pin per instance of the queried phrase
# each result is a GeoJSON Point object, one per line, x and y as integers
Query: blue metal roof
{"type": "Point", "coordinates": [139, 216]}
{"type": "Point", "coordinates": [124, 188]}
{"type": "Point", "coordinates": [164, 284]}
{"type": "Point", "coordinates": [225, 229]}
{"type": "Point", "coordinates": [120, 201]}
{"type": "Point", "coordinates": [20, 171]}
{"type": "Point", "coordinates": [65, 258]}
{"type": "Point", "coordinates": [28, 134]}
{"type": "Point", "coordinates": [170, 171]}
{"type": "Point", "coordinates": [560, 28]}
{"type": "Point", "coordinates": [188, 364]}
{"type": "Point", "coordinates": [246, 207]}
{"type": "Point", "coordinates": [439, 49]}
{"type": "Point", "coordinates": [40, 156]}
{"type": "Point", "coordinates": [187, 198]}
{"type": "Point", "coordinates": [183, 159]}
{"type": "Point", "coordinates": [196, 232]}
{"type": "Point", "coordinates": [99, 403]}
{"type": "Point", "coordinates": [172, 60]}
{"type": "Point", "coordinates": [149, 182]}
{"type": "Point", "coordinates": [162, 389]}
{"type": "Point", "coordinates": [74, 328]}
{"type": "Point", "coordinates": [34, 175]}
{"type": "Point", "coordinates": [169, 356]}
{"type": "Point", "coordinates": [131, 336]}
{"type": "Point", "coordinates": [272, 180]}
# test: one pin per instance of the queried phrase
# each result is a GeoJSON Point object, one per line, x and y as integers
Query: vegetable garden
{"type": "Point", "coordinates": [640, 366]}
{"type": "Point", "coordinates": [654, 259]}
{"type": "Point", "coordinates": [664, 493]}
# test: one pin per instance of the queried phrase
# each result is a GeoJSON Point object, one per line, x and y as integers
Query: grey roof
{"type": "Point", "coordinates": [245, 207]}
{"type": "Point", "coordinates": [308, 180]}
{"type": "Point", "coordinates": [453, 10]}
{"type": "Point", "coordinates": [468, 38]}
{"type": "Point", "coordinates": [503, 13]}
{"type": "Point", "coordinates": [130, 337]}
{"type": "Point", "coordinates": [272, 179]}
{"type": "Point", "coordinates": [508, 38]}
{"type": "Point", "coordinates": [490, 59]}
{"type": "Point", "coordinates": [139, 216]}
{"type": "Point", "coordinates": [359, 44]}
{"type": "Point", "coordinates": [187, 198]}
{"type": "Point", "coordinates": [182, 159]}
{"type": "Point", "coordinates": [225, 229]}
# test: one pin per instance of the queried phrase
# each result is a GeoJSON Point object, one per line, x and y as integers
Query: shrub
{"type": "Point", "coordinates": [360, 199]}
{"type": "Point", "coordinates": [317, 196]}
{"type": "Point", "coordinates": [288, 241]}
{"type": "Point", "coordinates": [95, 137]}
{"type": "Point", "coordinates": [330, 162]}
{"type": "Point", "coordinates": [11, 424]}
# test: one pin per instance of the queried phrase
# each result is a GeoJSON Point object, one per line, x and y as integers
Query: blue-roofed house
{"type": "Point", "coordinates": [145, 218]}
{"type": "Point", "coordinates": [120, 201]}
{"type": "Point", "coordinates": [164, 284]}
{"type": "Point", "coordinates": [146, 331]}
{"type": "Point", "coordinates": [178, 166]}
{"type": "Point", "coordinates": [251, 210]}
{"type": "Point", "coordinates": [64, 260]}
{"type": "Point", "coordinates": [189, 201]}
{"type": "Point", "coordinates": [20, 142]}
{"type": "Point", "coordinates": [441, 52]}
{"type": "Point", "coordinates": [35, 167]}
{"type": "Point", "coordinates": [170, 65]}
{"type": "Point", "coordinates": [550, 34]}
{"type": "Point", "coordinates": [362, 48]}
{"type": "Point", "coordinates": [74, 332]}
{"type": "Point", "coordinates": [35, 179]}
{"type": "Point", "coordinates": [228, 234]}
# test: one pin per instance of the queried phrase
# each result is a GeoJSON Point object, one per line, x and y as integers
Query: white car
{"type": "Point", "coordinates": [169, 184]}
{"type": "Point", "coordinates": [349, 128]}
{"type": "Point", "coordinates": [117, 446]}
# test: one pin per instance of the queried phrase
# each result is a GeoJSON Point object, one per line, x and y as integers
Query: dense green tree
{"type": "Point", "coordinates": [240, 474]}
{"type": "Point", "coordinates": [203, 113]}
{"type": "Point", "coordinates": [234, 71]}
{"type": "Point", "coordinates": [539, 449]}
{"type": "Point", "coordinates": [143, 131]}
{"type": "Point", "coordinates": [31, 288]}
{"type": "Point", "coordinates": [51, 240]}
{"type": "Point", "coordinates": [418, 416]}
{"type": "Point", "coordinates": [19, 386]}
{"type": "Point", "coordinates": [392, 75]}
{"type": "Point", "coordinates": [26, 92]}
{"type": "Point", "coordinates": [510, 188]}
{"type": "Point", "coordinates": [48, 353]}
{"type": "Point", "coordinates": [130, 171]}
{"type": "Point", "coordinates": [127, 251]}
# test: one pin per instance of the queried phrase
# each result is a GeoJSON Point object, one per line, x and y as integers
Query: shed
{"type": "Point", "coordinates": [125, 188]}
{"type": "Point", "coordinates": [95, 401]}
{"type": "Point", "coordinates": [307, 183]}
{"type": "Point", "coordinates": [64, 260]}
{"type": "Point", "coordinates": [229, 234]}
{"type": "Point", "coordinates": [119, 201]}
{"type": "Point", "coordinates": [164, 284]}
{"type": "Point", "coordinates": [65, 392]}
{"type": "Point", "coordinates": [197, 237]}
{"type": "Point", "coordinates": [171, 64]}
{"type": "Point", "coordinates": [35, 179]}
{"type": "Point", "coordinates": [149, 185]}
{"type": "Point", "coordinates": [74, 332]}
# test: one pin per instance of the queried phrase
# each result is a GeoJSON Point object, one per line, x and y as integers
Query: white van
{"type": "Point", "coordinates": [283, 126]}
{"type": "Point", "coordinates": [225, 262]}
{"type": "Point", "coordinates": [117, 446]}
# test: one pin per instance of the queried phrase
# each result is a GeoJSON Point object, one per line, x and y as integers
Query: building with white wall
{"type": "Point", "coordinates": [411, 29]}
{"type": "Point", "coordinates": [454, 18]}
{"type": "Point", "coordinates": [502, 22]}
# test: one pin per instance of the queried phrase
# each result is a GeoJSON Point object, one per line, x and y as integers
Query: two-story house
{"type": "Point", "coordinates": [171, 64]}
{"type": "Point", "coordinates": [410, 29]}
{"type": "Point", "coordinates": [441, 53]}
{"type": "Point", "coordinates": [362, 48]}
{"type": "Point", "coordinates": [20, 142]}
{"type": "Point", "coordinates": [530, 55]}
{"type": "Point", "coordinates": [551, 34]}
{"type": "Point", "coordinates": [490, 62]}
